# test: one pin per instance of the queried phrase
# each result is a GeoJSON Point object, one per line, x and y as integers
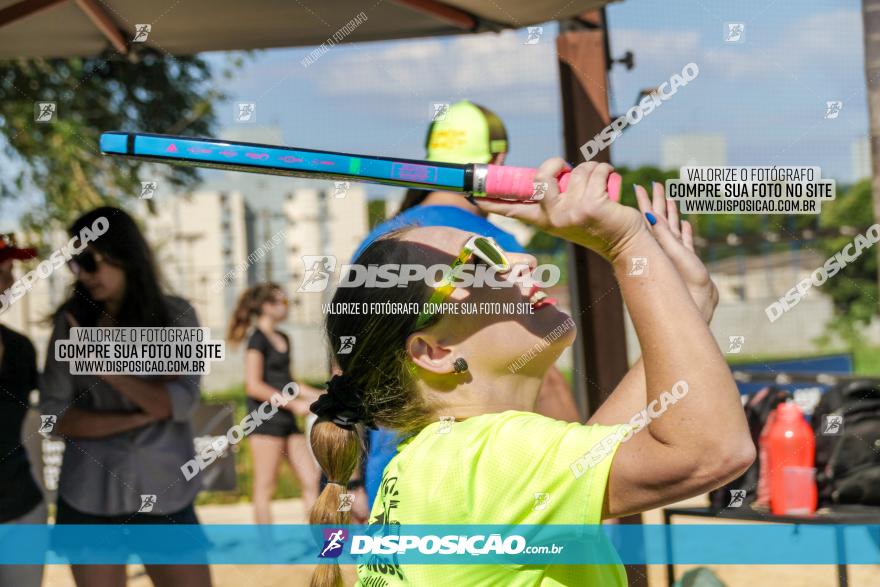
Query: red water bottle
{"type": "Point", "coordinates": [790, 452]}
{"type": "Point", "coordinates": [762, 499]}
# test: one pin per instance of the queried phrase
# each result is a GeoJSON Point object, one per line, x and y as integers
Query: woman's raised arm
{"type": "Point", "coordinates": [693, 436]}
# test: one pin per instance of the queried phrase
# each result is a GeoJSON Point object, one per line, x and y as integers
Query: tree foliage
{"type": "Point", "coordinates": [60, 160]}
{"type": "Point", "coordinates": [854, 289]}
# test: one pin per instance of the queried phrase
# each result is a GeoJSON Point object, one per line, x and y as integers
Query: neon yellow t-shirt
{"type": "Point", "coordinates": [488, 470]}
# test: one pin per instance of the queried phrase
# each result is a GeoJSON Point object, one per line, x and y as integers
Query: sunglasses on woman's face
{"type": "Point", "coordinates": [484, 249]}
{"type": "Point", "coordinates": [86, 262]}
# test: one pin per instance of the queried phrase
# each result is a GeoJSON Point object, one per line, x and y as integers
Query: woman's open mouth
{"type": "Point", "coordinates": [538, 298]}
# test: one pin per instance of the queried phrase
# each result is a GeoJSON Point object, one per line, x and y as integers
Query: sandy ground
{"type": "Point", "coordinates": [291, 512]}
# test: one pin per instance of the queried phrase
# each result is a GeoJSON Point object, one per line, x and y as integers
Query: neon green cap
{"type": "Point", "coordinates": [465, 133]}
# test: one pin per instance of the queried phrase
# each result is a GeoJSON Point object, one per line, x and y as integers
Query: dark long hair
{"type": "Point", "coordinates": [249, 306]}
{"type": "Point", "coordinates": [412, 198]}
{"type": "Point", "coordinates": [380, 379]}
{"type": "Point", "coordinates": [124, 245]}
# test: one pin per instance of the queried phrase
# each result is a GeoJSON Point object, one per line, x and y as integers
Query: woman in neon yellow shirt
{"type": "Point", "coordinates": [461, 389]}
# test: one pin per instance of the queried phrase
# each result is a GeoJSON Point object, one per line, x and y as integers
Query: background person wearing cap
{"type": "Point", "coordinates": [467, 133]}
{"type": "Point", "coordinates": [21, 500]}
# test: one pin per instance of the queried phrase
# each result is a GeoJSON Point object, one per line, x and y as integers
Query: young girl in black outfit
{"type": "Point", "coordinates": [267, 371]}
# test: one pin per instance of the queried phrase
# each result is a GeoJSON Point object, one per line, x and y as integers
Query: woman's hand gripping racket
{"type": "Point", "coordinates": [585, 214]}
{"type": "Point", "coordinates": [521, 184]}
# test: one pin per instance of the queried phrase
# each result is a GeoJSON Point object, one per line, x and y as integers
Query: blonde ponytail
{"type": "Point", "coordinates": [338, 452]}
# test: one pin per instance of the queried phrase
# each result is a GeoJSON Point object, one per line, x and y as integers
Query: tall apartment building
{"type": "Point", "coordinates": [321, 222]}
{"type": "Point", "coordinates": [201, 245]}
{"type": "Point", "coordinates": [860, 158]}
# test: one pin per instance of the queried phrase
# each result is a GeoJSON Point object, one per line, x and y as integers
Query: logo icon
{"type": "Point", "coordinates": [832, 109]}
{"type": "Point", "coordinates": [148, 189]}
{"type": "Point", "coordinates": [346, 500]}
{"type": "Point", "coordinates": [346, 345]}
{"type": "Point", "coordinates": [141, 32]}
{"type": "Point", "coordinates": [147, 504]}
{"type": "Point", "coordinates": [318, 271]}
{"type": "Point", "coordinates": [832, 424]}
{"type": "Point", "coordinates": [340, 188]}
{"type": "Point", "coordinates": [535, 33]}
{"type": "Point", "coordinates": [45, 111]}
{"type": "Point", "coordinates": [734, 32]}
{"type": "Point", "coordinates": [735, 344]}
{"type": "Point", "coordinates": [439, 111]}
{"type": "Point", "coordinates": [541, 501]}
{"type": "Point", "coordinates": [446, 423]}
{"type": "Point", "coordinates": [540, 190]}
{"type": "Point", "coordinates": [47, 424]}
{"type": "Point", "coordinates": [334, 540]}
{"type": "Point", "coordinates": [245, 112]}
{"type": "Point", "coordinates": [638, 266]}
{"type": "Point", "coordinates": [737, 498]}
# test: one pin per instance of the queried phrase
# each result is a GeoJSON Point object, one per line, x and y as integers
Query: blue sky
{"type": "Point", "coordinates": [766, 95]}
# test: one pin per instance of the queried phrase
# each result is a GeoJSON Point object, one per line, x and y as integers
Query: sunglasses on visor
{"type": "Point", "coordinates": [484, 249]}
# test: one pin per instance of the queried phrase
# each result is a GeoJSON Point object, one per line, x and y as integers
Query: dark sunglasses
{"type": "Point", "coordinates": [86, 262]}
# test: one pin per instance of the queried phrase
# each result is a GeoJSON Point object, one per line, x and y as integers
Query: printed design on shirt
{"type": "Point", "coordinates": [384, 523]}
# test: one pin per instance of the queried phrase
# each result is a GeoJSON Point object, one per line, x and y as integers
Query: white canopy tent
{"type": "Point", "coordinates": [67, 28]}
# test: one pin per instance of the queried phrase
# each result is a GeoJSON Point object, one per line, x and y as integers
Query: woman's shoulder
{"type": "Point", "coordinates": [514, 429]}
{"type": "Point", "coordinates": [14, 339]}
{"type": "Point", "coordinates": [512, 418]}
{"type": "Point", "coordinates": [507, 427]}
{"type": "Point", "coordinates": [257, 340]}
{"type": "Point", "coordinates": [180, 310]}
{"type": "Point", "coordinates": [257, 334]}
{"type": "Point", "coordinates": [173, 301]}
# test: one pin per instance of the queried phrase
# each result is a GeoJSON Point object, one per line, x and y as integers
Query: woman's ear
{"type": "Point", "coordinates": [426, 352]}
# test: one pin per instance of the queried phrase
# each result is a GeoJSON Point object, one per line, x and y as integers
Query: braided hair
{"type": "Point", "coordinates": [375, 386]}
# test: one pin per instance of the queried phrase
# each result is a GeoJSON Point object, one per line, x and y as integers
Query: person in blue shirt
{"type": "Point", "coordinates": [466, 133]}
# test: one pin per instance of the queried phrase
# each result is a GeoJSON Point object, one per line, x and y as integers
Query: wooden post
{"type": "Point", "coordinates": [597, 306]}
{"type": "Point", "coordinates": [871, 24]}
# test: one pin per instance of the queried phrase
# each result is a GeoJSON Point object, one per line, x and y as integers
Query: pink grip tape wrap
{"type": "Point", "coordinates": [518, 183]}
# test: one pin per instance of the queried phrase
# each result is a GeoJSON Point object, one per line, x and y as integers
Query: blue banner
{"type": "Point", "coordinates": [813, 544]}
{"type": "Point", "coordinates": [806, 395]}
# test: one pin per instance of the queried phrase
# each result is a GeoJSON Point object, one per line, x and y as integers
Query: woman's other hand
{"type": "Point", "coordinates": [676, 238]}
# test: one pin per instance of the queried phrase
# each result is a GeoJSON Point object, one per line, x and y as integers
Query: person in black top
{"type": "Point", "coordinates": [267, 372]}
{"type": "Point", "coordinates": [21, 500]}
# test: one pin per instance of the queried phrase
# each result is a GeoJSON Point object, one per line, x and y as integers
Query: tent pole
{"type": "Point", "coordinates": [600, 359]}
{"type": "Point", "coordinates": [24, 9]}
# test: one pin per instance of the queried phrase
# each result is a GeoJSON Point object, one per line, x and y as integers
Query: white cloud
{"type": "Point", "coordinates": [429, 69]}
{"type": "Point", "coordinates": [824, 42]}
{"type": "Point", "coordinates": [817, 43]}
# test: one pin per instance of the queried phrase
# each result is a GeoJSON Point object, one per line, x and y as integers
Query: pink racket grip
{"type": "Point", "coordinates": [518, 183]}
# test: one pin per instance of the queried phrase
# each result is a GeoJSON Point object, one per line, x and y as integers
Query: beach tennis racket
{"type": "Point", "coordinates": [478, 179]}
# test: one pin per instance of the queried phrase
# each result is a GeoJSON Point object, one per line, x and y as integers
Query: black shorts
{"type": "Point", "coordinates": [281, 424]}
{"type": "Point", "coordinates": [67, 514]}
{"type": "Point", "coordinates": [71, 546]}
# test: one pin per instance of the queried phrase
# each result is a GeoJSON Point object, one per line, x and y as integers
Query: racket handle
{"type": "Point", "coordinates": [518, 183]}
